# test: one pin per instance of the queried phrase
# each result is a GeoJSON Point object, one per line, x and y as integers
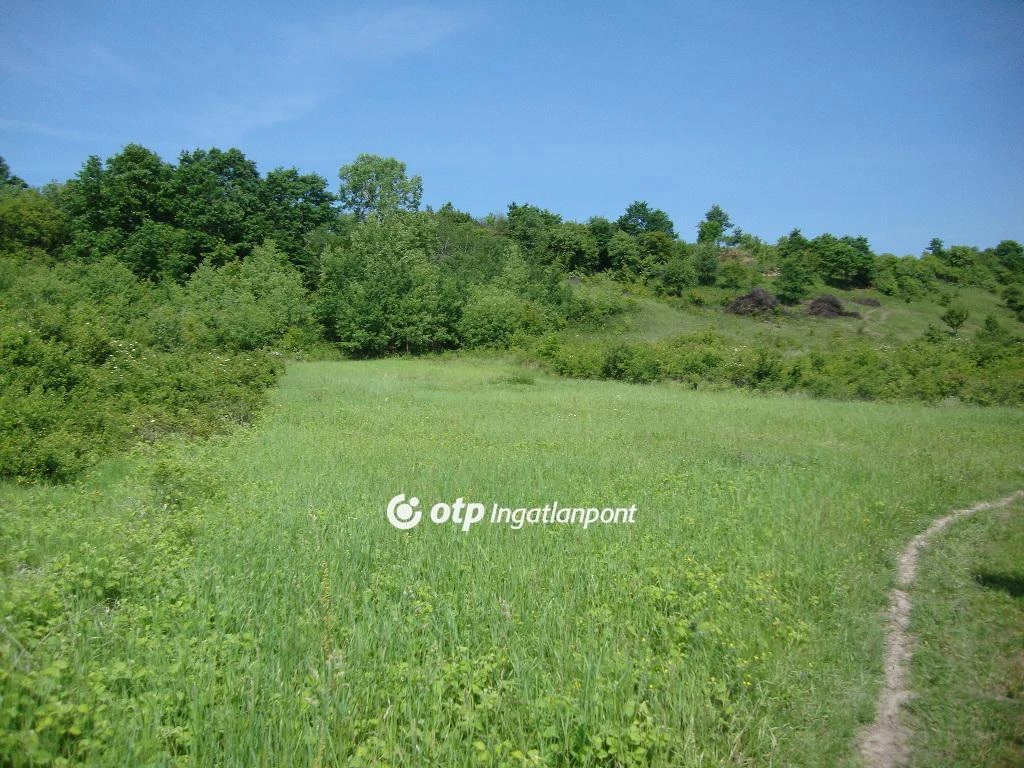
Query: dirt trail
{"type": "Point", "coordinates": [884, 744]}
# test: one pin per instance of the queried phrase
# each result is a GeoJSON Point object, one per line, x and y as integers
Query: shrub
{"type": "Point", "coordinates": [493, 316]}
{"type": "Point", "coordinates": [88, 365]}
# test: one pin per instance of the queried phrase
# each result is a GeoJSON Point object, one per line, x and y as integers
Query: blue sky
{"type": "Point", "coordinates": [900, 121]}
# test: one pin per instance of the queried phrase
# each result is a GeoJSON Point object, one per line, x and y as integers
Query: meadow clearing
{"type": "Point", "coordinates": [244, 601]}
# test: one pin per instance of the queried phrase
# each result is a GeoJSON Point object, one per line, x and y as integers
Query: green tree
{"type": "Point", "coordinates": [640, 217]}
{"type": "Point", "coordinates": [656, 248]}
{"type": "Point", "coordinates": [602, 231]}
{"type": "Point", "coordinates": [714, 227]}
{"type": "Point", "coordinates": [291, 206]}
{"type": "Point", "coordinates": [382, 293]}
{"type": "Point", "coordinates": [572, 248]}
{"type": "Point", "coordinates": [735, 275]}
{"type": "Point", "coordinates": [378, 186]}
{"type": "Point", "coordinates": [494, 316]}
{"type": "Point", "coordinates": [1010, 255]}
{"type": "Point", "coordinates": [133, 187]}
{"type": "Point", "coordinates": [216, 198]}
{"type": "Point", "coordinates": [156, 251]}
{"type": "Point", "coordinates": [885, 274]}
{"type": "Point", "coordinates": [247, 304]}
{"type": "Point", "coordinates": [624, 254]}
{"type": "Point", "coordinates": [845, 263]}
{"type": "Point", "coordinates": [678, 273]}
{"type": "Point", "coordinates": [793, 243]}
{"type": "Point", "coordinates": [796, 277]}
{"type": "Point", "coordinates": [530, 227]}
{"type": "Point", "coordinates": [29, 219]}
{"type": "Point", "coordinates": [8, 180]}
{"type": "Point", "coordinates": [707, 262]}
{"type": "Point", "coordinates": [1013, 299]}
{"type": "Point", "coordinates": [960, 257]}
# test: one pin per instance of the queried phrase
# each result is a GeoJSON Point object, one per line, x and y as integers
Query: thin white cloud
{"type": "Point", "coordinates": [228, 120]}
{"type": "Point", "coordinates": [372, 36]}
{"type": "Point", "coordinates": [209, 88]}
{"type": "Point", "coordinates": [56, 132]}
{"type": "Point", "coordinates": [317, 57]}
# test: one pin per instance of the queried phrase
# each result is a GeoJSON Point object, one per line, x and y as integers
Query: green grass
{"type": "Point", "coordinates": [896, 321]}
{"type": "Point", "coordinates": [968, 672]}
{"type": "Point", "coordinates": [245, 602]}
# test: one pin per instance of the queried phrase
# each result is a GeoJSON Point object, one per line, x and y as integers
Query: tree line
{"type": "Point", "coordinates": [141, 296]}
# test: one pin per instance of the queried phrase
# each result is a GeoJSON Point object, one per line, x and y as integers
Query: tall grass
{"type": "Point", "coordinates": [245, 602]}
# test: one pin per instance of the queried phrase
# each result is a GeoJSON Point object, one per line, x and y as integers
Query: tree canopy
{"type": "Point", "coordinates": [379, 186]}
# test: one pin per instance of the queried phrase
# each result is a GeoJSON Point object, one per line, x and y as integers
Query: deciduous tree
{"type": "Point", "coordinates": [640, 217]}
{"type": "Point", "coordinates": [378, 186]}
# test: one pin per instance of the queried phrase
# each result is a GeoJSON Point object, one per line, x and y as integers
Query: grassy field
{"type": "Point", "coordinates": [245, 601]}
{"type": "Point", "coordinates": [969, 620]}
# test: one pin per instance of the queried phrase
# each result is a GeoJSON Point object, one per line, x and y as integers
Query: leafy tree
{"type": "Point", "coordinates": [640, 217]}
{"type": "Point", "coordinates": [885, 274]}
{"type": "Point", "coordinates": [9, 181]}
{"type": "Point", "coordinates": [656, 248]}
{"type": "Point", "coordinates": [845, 262]}
{"type": "Point", "coordinates": [1013, 298]}
{"type": "Point", "coordinates": [572, 248]}
{"type": "Point", "coordinates": [796, 267]}
{"type": "Point", "coordinates": [468, 253]}
{"type": "Point", "coordinates": [382, 294]}
{"type": "Point", "coordinates": [450, 213]}
{"type": "Point", "coordinates": [217, 200]}
{"type": "Point", "coordinates": [494, 315]}
{"type": "Point", "coordinates": [796, 277]}
{"type": "Point", "coordinates": [936, 248]}
{"type": "Point", "coordinates": [735, 275]}
{"type": "Point", "coordinates": [156, 251]}
{"type": "Point", "coordinates": [794, 243]}
{"type": "Point", "coordinates": [960, 257]}
{"type": "Point", "coordinates": [678, 273]}
{"type": "Point", "coordinates": [29, 219]}
{"type": "Point", "coordinates": [530, 227]}
{"type": "Point", "coordinates": [84, 197]}
{"type": "Point", "coordinates": [707, 262]}
{"type": "Point", "coordinates": [291, 205]}
{"type": "Point", "coordinates": [133, 187]}
{"type": "Point", "coordinates": [602, 231]}
{"type": "Point", "coordinates": [624, 254]}
{"type": "Point", "coordinates": [246, 304]}
{"type": "Point", "coordinates": [713, 228]}
{"type": "Point", "coordinates": [378, 186]}
{"type": "Point", "coordinates": [1010, 255]}
{"type": "Point", "coordinates": [914, 277]}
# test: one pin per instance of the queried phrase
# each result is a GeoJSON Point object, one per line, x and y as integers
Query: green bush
{"type": "Point", "coordinates": [493, 316]}
{"type": "Point", "coordinates": [247, 304]}
{"type": "Point", "coordinates": [91, 360]}
{"type": "Point", "coordinates": [984, 371]}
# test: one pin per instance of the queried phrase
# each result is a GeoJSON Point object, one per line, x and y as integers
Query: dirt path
{"type": "Point", "coordinates": [884, 744]}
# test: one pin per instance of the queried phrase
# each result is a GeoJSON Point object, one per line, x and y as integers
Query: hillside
{"type": "Point", "coordinates": [144, 298]}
